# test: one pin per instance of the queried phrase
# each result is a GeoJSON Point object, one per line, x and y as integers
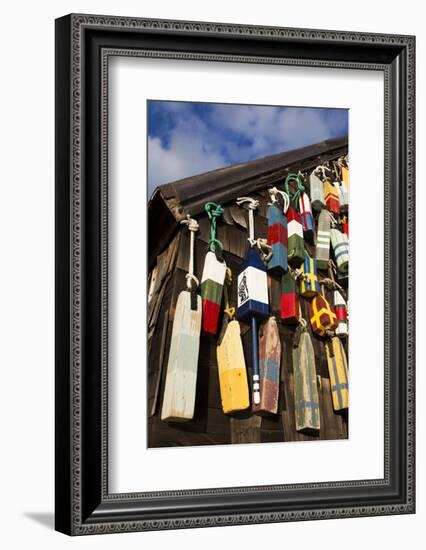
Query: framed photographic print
{"type": "Point", "coordinates": [234, 274]}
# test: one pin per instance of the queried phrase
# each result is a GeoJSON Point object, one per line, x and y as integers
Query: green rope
{"type": "Point", "coordinates": [214, 211]}
{"type": "Point", "coordinates": [300, 187]}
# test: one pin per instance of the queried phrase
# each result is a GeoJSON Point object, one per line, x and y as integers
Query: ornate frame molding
{"type": "Point", "coordinates": [84, 508]}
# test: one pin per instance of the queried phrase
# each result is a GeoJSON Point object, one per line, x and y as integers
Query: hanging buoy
{"type": "Point", "coordinates": [344, 170]}
{"type": "Point", "coordinates": [277, 233]}
{"type": "Point", "coordinates": [296, 247]}
{"type": "Point", "coordinates": [309, 284]}
{"type": "Point", "coordinates": [213, 273]}
{"type": "Point", "coordinates": [270, 366]}
{"type": "Point", "coordinates": [317, 190]}
{"type": "Point", "coordinates": [234, 390]}
{"type": "Point", "coordinates": [323, 240]}
{"type": "Point", "coordinates": [306, 216]}
{"type": "Point", "coordinates": [301, 201]}
{"type": "Point", "coordinates": [181, 377]}
{"type": "Point", "coordinates": [341, 313]}
{"type": "Point", "coordinates": [339, 375]}
{"type": "Point", "coordinates": [289, 301]}
{"type": "Point", "coordinates": [253, 302]}
{"type": "Point", "coordinates": [340, 244]}
{"type": "Point", "coordinates": [331, 197]}
{"type": "Point", "coordinates": [345, 225]}
{"type": "Point", "coordinates": [306, 401]}
{"type": "Point", "coordinates": [322, 316]}
{"type": "Point", "coordinates": [343, 197]}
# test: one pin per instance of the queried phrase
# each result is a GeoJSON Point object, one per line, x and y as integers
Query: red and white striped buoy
{"type": "Point", "coordinates": [341, 312]}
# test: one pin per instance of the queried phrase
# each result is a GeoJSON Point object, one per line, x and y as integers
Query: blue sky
{"type": "Point", "coordinates": [187, 138]}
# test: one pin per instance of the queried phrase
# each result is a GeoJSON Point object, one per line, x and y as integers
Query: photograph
{"type": "Point", "coordinates": [248, 273]}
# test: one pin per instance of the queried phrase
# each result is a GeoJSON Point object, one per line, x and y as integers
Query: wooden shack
{"type": "Point", "coordinates": [168, 250]}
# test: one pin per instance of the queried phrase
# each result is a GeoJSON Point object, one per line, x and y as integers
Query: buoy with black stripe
{"type": "Point", "coordinates": [252, 302]}
{"type": "Point", "coordinates": [306, 400]}
{"type": "Point", "coordinates": [277, 233]}
{"type": "Point", "coordinates": [339, 374]}
{"type": "Point", "coordinates": [213, 275]}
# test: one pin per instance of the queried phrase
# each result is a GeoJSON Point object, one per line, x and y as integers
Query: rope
{"type": "Point", "coordinates": [299, 190]}
{"type": "Point", "coordinates": [214, 211]}
{"type": "Point", "coordinates": [273, 192]}
{"type": "Point", "coordinates": [190, 277]}
{"type": "Point", "coordinates": [230, 311]}
{"type": "Point", "coordinates": [262, 245]}
{"type": "Point", "coordinates": [251, 205]}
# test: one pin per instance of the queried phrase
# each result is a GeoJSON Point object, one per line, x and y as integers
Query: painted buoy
{"type": "Point", "coordinates": [339, 374]}
{"type": "Point", "coordinates": [289, 301]}
{"type": "Point", "coordinates": [309, 286]}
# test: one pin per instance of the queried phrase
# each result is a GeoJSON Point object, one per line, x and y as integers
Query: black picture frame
{"type": "Point", "coordinates": [83, 45]}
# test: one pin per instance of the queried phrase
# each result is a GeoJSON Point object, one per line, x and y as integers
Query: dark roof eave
{"type": "Point", "coordinates": [188, 195]}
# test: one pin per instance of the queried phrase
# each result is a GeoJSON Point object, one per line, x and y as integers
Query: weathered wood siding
{"type": "Point", "coordinates": [210, 425]}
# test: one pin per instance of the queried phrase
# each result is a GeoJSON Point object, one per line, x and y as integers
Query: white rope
{"type": "Point", "coordinates": [192, 227]}
{"type": "Point", "coordinates": [251, 205]}
{"type": "Point", "coordinates": [273, 192]}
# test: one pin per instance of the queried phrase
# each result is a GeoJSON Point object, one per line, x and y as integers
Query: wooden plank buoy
{"type": "Point", "coordinates": [270, 366]}
{"type": "Point", "coordinates": [289, 300]}
{"type": "Point", "coordinates": [340, 244]}
{"type": "Point", "coordinates": [277, 233]}
{"type": "Point", "coordinates": [213, 275]}
{"type": "Point", "coordinates": [316, 191]}
{"type": "Point", "coordinates": [181, 376]}
{"type": "Point", "coordinates": [253, 303]}
{"type": "Point", "coordinates": [309, 285]}
{"type": "Point", "coordinates": [234, 390]}
{"type": "Point", "coordinates": [306, 401]}
{"type": "Point", "coordinates": [339, 375]}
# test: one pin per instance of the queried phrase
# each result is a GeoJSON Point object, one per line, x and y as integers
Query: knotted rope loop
{"type": "Point", "coordinates": [299, 189]}
{"type": "Point", "coordinates": [251, 205]}
{"type": "Point", "coordinates": [318, 169]}
{"type": "Point", "coordinates": [273, 192]}
{"type": "Point", "coordinates": [264, 248]}
{"type": "Point", "coordinates": [192, 226]}
{"type": "Point", "coordinates": [214, 211]}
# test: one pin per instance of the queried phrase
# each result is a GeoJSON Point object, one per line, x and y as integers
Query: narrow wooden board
{"type": "Point", "coordinates": [181, 378]}
{"type": "Point", "coordinates": [234, 390]}
{"type": "Point", "coordinates": [270, 365]}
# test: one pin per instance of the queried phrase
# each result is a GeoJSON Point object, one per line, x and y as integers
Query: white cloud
{"type": "Point", "coordinates": [198, 145]}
